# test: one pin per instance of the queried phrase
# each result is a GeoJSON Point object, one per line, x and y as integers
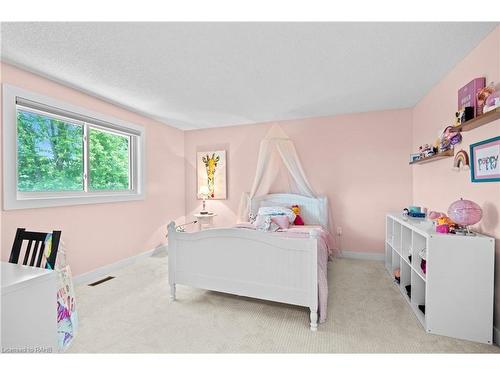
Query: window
{"type": "Point", "coordinates": [109, 160]}
{"type": "Point", "coordinates": [67, 155]}
{"type": "Point", "coordinates": [49, 153]}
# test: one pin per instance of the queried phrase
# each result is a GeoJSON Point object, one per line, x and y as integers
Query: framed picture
{"type": "Point", "coordinates": [485, 163]}
{"type": "Point", "coordinates": [211, 174]}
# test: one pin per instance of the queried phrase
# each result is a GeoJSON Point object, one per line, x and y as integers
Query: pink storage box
{"type": "Point", "coordinates": [467, 95]}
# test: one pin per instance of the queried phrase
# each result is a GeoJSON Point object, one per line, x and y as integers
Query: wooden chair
{"type": "Point", "coordinates": [38, 239]}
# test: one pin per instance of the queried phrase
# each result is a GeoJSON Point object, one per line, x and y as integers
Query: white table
{"type": "Point", "coordinates": [29, 309]}
{"type": "Point", "coordinates": [205, 220]}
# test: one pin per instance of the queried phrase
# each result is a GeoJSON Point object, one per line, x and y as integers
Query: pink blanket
{"type": "Point", "coordinates": [325, 248]}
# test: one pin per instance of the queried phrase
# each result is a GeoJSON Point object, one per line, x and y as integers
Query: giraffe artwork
{"type": "Point", "coordinates": [211, 171]}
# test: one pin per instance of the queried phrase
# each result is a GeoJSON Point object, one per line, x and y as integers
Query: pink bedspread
{"type": "Point", "coordinates": [325, 249]}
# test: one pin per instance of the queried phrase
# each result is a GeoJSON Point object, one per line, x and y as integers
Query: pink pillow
{"type": "Point", "coordinates": [281, 220]}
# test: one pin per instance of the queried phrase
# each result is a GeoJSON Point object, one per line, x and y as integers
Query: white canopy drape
{"type": "Point", "coordinates": [277, 152]}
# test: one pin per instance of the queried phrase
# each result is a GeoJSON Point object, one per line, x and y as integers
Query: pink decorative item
{"type": "Point", "coordinates": [281, 220]}
{"type": "Point", "coordinates": [423, 266]}
{"type": "Point", "coordinates": [433, 215]}
{"type": "Point", "coordinates": [465, 212]}
{"type": "Point", "coordinates": [467, 95]}
{"type": "Point", "coordinates": [443, 228]}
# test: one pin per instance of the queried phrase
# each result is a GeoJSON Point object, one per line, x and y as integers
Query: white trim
{"type": "Point", "coordinates": [362, 256]}
{"type": "Point", "coordinates": [100, 272]}
{"type": "Point", "coordinates": [11, 197]}
{"type": "Point", "coordinates": [91, 93]}
{"type": "Point", "coordinates": [496, 336]}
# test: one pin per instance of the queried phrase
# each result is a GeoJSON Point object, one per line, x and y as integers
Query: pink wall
{"type": "Point", "coordinates": [435, 185]}
{"type": "Point", "coordinates": [359, 161]}
{"type": "Point", "coordinates": [100, 234]}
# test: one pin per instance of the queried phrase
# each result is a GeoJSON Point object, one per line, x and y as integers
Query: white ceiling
{"type": "Point", "coordinates": [201, 75]}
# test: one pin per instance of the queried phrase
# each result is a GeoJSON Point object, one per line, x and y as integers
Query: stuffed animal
{"type": "Point", "coordinates": [488, 98]}
{"type": "Point", "coordinates": [444, 220]}
{"type": "Point", "coordinates": [484, 93]}
{"type": "Point", "coordinates": [448, 139]}
{"type": "Point", "coordinates": [298, 218]}
{"type": "Point", "coordinates": [444, 224]}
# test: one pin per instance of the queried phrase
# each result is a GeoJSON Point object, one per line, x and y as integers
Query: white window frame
{"type": "Point", "coordinates": [13, 199]}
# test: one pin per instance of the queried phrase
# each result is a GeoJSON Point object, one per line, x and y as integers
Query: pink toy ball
{"type": "Point", "coordinates": [465, 212]}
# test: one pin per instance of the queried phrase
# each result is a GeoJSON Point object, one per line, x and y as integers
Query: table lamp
{"type": "Point", "coordinates": [204, 194]}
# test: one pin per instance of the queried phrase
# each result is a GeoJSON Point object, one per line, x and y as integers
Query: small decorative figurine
{"type": "Point", "coordinates": [448, 139]}
{"type": "Point", "coordinates": [426, 151]}
{"type": "Point", "coordinates": [488, 98]}
{"type": "Point", "coordinates": [461, 161]}
{"type": "Point", "coordinates": [463, 115]}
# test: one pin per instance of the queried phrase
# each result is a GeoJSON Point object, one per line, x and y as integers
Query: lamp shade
{"type": "Point", "coordinates": [465, 212]}
{"type": "Point", "coordinates": [204, 191]}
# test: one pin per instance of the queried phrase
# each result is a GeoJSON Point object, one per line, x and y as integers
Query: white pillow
{"type": "Point", "coordinates": [277, 210]}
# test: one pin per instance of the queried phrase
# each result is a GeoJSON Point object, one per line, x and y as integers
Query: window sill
{"type": "Point", "coordinates": [41, 202]}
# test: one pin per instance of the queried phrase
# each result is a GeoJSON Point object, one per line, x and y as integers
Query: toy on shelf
{"type": "Point", "coordinates": [465, 213]}
{"type": "Point", "coordinates": [448, 139]}
{"type": "Point", "coordinates": [461, 161]}
{"type": "Point", "coordinates": [464, 115]}
{"type": "Point", "coordinates": [489, 98]}
{"type": "Point", "coordinates": [443, 223]}
{"type": "Point", "coordinates": [423, 262]}
{"type": "Point", "coordinates": [397, 275]}
{"type": "Point", "coordinates": [414, 212]}
{"type": "Point", "coordinates": [426, 150]}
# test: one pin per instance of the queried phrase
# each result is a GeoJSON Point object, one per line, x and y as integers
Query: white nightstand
{"type": "Point", "coordinates": [205, 220]}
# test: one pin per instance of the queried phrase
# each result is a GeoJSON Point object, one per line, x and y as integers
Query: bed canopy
{"type": "Point", "coordinates": [277, 156]}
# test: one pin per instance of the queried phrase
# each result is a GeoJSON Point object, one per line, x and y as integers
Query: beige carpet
{"type": "Point", "coordinates": [132, 313]}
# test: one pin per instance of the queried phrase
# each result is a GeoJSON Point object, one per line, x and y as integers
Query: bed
{"type": "Point", "coordinates": [251, 263]}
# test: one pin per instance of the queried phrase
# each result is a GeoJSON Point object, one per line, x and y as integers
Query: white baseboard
{"type": "Point", "coordinates": [100, 272]}
{"type": "Point", "coordinates": [496, 336]}
{"type": "Point", "coordinates": [362, 256]}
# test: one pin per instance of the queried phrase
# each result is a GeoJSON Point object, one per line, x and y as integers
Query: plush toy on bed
{"type": "Point", "coordinates": [298, 218]}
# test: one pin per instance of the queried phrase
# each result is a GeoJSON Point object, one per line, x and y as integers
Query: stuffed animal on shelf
{"type": "Point", "coordinates": [448, 139]}
{"type": "Point", "coordinates": [488, 98]}
{"type": "Point", "coordinates": [298, 218]}
{"type": "Point", "coordinates": [444, 224]}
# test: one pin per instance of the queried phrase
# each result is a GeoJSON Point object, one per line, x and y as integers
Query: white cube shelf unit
{"type": "Point", "coordinates": [457, 287]}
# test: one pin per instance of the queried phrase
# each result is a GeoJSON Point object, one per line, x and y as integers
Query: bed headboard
{"type": "Point", "coordinates": [313, 210]}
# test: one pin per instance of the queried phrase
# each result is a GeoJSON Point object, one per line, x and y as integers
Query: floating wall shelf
{"type": "Point", "coordinates": [438, 156]}
{"type": "Point", "coordinates": [479, 121]}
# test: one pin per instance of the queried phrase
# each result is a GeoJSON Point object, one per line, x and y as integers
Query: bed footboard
{"type": "Point", "coordinates": [247, 263]}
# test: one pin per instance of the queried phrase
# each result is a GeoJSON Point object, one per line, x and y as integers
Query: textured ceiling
{"type": "Point", "coordinates": [200, 75]}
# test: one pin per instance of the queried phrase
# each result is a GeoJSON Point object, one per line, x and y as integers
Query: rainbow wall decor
{"type": "Point", "coordinates": [461, 161]}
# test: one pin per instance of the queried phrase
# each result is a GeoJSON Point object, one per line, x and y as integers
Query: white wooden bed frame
{"type": "Point", "coordinates": [251, 263]}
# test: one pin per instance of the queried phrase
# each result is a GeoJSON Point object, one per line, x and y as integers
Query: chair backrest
{"type": "Point", "coordinates": [38, 240]}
